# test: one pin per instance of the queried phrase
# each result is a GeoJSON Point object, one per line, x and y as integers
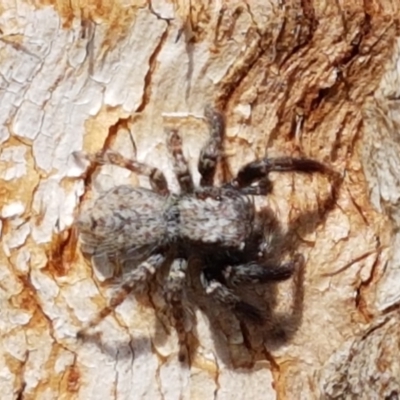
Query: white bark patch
{"type": "Point", "coordinates": [174, 380]}
{"type": "Point", "coordinates": [126, 70]}
{"type": "Point", "coordinates": [258, 383]}
{"type": "Point", "coordinates": [12, 210]}
{"type": "Point", "coordinates": [28, 120]}
{"type": "Point", "coordinates": [39, 348]}
{"type": "Point", "coordinates": [54, 208]}
{"type": "Point", "coordinates": [7, 384]}
{"type": "Point", "coordinates": [14, 159]}
{"type": "Point", "coordinates": [17, 236]}
{"type": "Point", "coordinates": [63, 362]}
{"type": "Point", "coordinates": [16, 345]}
{"type": "Point", "coordinates": [22, 260]}
{"type": "Point", "coordinates": [78, 298]}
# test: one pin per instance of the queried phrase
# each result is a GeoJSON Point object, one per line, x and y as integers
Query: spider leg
{"type": "Point", "coordinates": [211, 152]}
{"type": "Point", "coordinates": [156, 177]}
{"type": "Point", "coordinates": [180, 164]}
{"type": "Point", "coordinates": [253, 273]}
{"type": "Point", "coordinates": [174, 291]}
{"type": "Point", "coordinates": [263, 187]}
{"type": "Point", "coordinates": [225, 296]}
{"type": "Point", "coordinates": [133, 280]}
{"type": "Point", "coordinates": [259, 170]}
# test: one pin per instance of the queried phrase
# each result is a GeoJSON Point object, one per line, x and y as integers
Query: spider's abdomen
{"type": "Point", "coordinates": [224, 218]}
{"type": "Point", "coordinates": [124, 222]}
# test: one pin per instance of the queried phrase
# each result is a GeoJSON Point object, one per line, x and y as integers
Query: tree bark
{"type": "Point", "coordinates": [295, 78]}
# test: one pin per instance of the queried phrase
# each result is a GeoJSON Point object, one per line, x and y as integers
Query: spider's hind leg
{"type": "Point", "coordinates": [226, 297]}
{"type": "Point", "coordinates": [174, 293]}
{"type": "Point", "coordinates": [132, 281]}
{"type": "Point", "coordinates": [258, 272]}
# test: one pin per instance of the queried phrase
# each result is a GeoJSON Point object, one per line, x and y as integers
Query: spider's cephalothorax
{"type": "Point", "coordinates": [139, 229]}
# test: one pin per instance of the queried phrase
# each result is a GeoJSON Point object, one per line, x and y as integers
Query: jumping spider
{"type": "Point", "coordinates": [139, 229]}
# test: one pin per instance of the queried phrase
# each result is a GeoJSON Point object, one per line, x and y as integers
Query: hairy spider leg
{"type": "Point", "coordinates": [211, 152]}
{"type": "Point", "coordinates": [174, 290]}
{"type": "Point", "coordinates": [253, 273]}
{"type": "Point", "coordinates": [156, 177]}
{"type": "Point", "coordinates": [259, 170]}
{"type": "Point", "coordinates": [133, 280]}
{"type": "Point", "coordinates": [180, 164]}
{"type": "Point", "coordinates": [226, 296]}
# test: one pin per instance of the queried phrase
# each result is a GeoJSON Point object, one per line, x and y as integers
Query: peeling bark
{"type": "Point", "coordinates": [299, 78]}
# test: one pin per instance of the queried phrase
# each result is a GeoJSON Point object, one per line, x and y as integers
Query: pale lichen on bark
{"type": "Point", "coordinates": [318, 79]}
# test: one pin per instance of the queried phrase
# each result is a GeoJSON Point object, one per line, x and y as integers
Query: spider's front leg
{"type": "Point", "coordinates": [259, 170]}
{"type": "Point", "coordinates": [211, 153]}
{"type": "Point", "coordinates": [174, 292]}
{"type": "Point", "coordinates": [132, 281]}
{"type": "Point", "coordinates": [156, 177]}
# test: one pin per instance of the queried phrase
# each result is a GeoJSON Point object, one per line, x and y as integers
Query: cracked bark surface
{"type": "Point", "coordinates": [311, 78]}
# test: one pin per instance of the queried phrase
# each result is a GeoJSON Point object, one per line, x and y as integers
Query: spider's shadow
{"type": "Point", "coordinates": [241, 343]}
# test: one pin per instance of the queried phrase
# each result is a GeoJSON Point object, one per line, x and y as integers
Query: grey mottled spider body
{"type": "Point", "coordinates": [139, 229]}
